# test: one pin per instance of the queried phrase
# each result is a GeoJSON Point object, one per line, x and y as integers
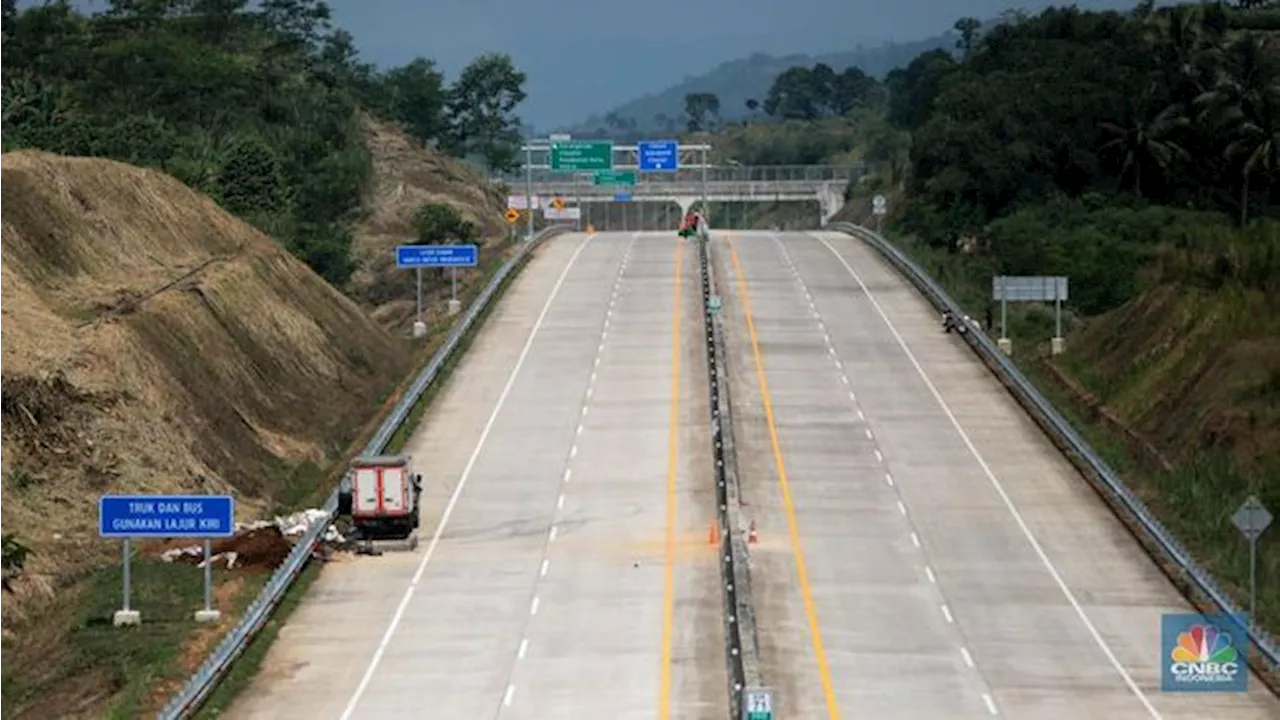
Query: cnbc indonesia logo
{"type": "Point", "coordinates": [1203, 658]}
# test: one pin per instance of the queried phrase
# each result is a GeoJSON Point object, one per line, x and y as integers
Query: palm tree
{"type": "Point", "coordinates": [1245, 102]}
{"type": "Point", "coordinates": [1182, 45]}
{"type": "Point", "coordinates": [1147, 145]}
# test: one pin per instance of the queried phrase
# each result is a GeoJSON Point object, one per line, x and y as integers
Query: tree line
{"type": "Point", "coordinates": [798, 93]}
{"type": "Point", "coordinates": [1068, 142]}
{"type": "Point", "coordinates": [260, 107]}
{"type": "Point", "coordinates": [1081, 143]}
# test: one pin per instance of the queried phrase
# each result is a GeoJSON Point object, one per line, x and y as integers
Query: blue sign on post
{"type": "Point", "coordinates": [434, 256]}
{"type": "Point", "coordinates": [168, 516]}
{"type": "Point", "coordinates": [658, 155]}
{"type": "Point", "coordinates": [622, 197]}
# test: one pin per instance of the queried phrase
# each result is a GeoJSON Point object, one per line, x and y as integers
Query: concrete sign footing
{"type": "Point", "coordinates": [126, 617]}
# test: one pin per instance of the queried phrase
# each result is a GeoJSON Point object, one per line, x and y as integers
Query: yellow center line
{"type": "Point", "coordinates": [673, 444]}
{"type": "Point", "coordinates": [833, 711]}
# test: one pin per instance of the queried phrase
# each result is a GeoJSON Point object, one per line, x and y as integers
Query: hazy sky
{"type": "Point", "coordinates": [584, 56]}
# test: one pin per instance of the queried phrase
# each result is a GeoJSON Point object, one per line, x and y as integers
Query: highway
{"type": "Point", "coordinates": [924, 551]}
{"type": "Point", "coordinates": [564, 569]}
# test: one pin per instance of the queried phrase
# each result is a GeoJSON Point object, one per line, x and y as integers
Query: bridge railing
{"type": "Point", "coordinates": [725, 173]}
{"type": "Point", "coordinates": [205, 678]}
{"type": "Point", "coordinates": [1130, 507]}
{"type": "Point", "coordinates": [747, 189]}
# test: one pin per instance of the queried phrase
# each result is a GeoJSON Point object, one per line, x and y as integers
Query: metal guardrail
{"type": "Point", "coordinates": [717, 187]}
{"type": "Point", "coordinates": [720, 173]}
{"type": "Point", "coordinates": [1031, 398]}
{"type": "Point", "coordinates": [206, 677]}
{"type": "Point", "coordinates": [739, 617]}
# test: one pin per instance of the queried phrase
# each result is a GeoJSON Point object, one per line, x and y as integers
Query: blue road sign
{"type": "Point", "coordinates": [129, 516]}
{"type": "Point", "coordinates": [622, 197]}
{"type": "Point", "coordinates": [658, 155]}
{"type": "Point", "coordinates": [432, 256]}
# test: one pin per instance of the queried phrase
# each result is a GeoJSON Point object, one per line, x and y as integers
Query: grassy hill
{"type": "Point", "coordinates": [174, 315]}
{"type": "Point", "coordinates": [1032, 157]}
{"type": "Point", "coordinates": [153, 343]}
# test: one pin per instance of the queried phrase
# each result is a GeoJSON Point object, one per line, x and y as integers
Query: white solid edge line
{"type": "Point", "coordinates": [999, 488]}
{"type": "Point", "coordinates": [457, 490]}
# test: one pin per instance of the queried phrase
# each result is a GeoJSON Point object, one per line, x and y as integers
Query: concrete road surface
{"type": "Point", "coordinates": [564, 570]}
{"type": "Point", "coordinates": [924, 552]}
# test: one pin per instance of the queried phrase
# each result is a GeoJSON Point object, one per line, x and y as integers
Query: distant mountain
{"type": "Point", "coordinates": [736, 81]}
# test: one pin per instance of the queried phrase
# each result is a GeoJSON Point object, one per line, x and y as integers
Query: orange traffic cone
{"type": "Point", "coordinates": [713, 535]}
{"type": "Point", "coordinates": [751, 533]}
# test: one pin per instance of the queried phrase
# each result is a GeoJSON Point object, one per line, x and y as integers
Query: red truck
{"type": "Point", "coordinates": [382, 498]}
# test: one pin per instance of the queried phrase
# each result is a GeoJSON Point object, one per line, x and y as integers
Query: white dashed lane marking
{"type": "Point", "coordinates": [554, 530]}
{"type": "Point", "coordinates": [888, 478]}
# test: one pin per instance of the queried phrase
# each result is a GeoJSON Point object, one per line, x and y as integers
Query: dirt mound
{"type": "Point", "coordinates": [154, 343]}
{"type": "Point", "coordinates": [1191, 369]}
{"type": "Point", "coordinates": [407, 176]}
{"type": "Point", "coordinates": [258, 549]}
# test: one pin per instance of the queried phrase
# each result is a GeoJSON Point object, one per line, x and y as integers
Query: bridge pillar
{"type": "Point", "coordinates": [830, 201]}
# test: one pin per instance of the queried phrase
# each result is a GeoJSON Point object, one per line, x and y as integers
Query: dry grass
{"type": "Point", "coordinates": [407, 176]}
{"type": "Point", "coordinates": [154, 343]}
{"type": "Point", "coordinates": [157, 344]}
{"type": "Point", "coordinates": [1192, 370]}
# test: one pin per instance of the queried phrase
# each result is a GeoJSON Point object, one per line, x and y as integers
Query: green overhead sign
{"type": "Point", "coordinates": [614, 177]}
{"type": "Point", "coordinates": [576, 155]}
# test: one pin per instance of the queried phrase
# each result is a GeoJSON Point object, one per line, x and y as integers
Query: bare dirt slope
{"type": "Point", "coordinates": [154, 343]}
{"type": "Point", "coordinates": [406, 177]}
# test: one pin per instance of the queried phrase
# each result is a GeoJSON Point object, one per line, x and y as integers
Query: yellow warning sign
{"type": "Point", "coordinates": [558, 203]}
{"type": "Point", "coordinates": [512, 215]}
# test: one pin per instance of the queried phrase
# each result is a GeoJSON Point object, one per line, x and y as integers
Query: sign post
{"type": "Point", "coordinates": [757, 704]}
{"type": "Point", "coordinates": [1252, 519]}
{"type": "Point", "coordinates": [1006, 288]}
{"type": "Point", "coordinates": [878, 209]}
{"type": "Point", "coordinates": [165, 516]}
{"type": "Point", "coordinates": [528, 189]}
{"type": "Point", "coordinates": [511, 216]}
{"type": "Point", "coordinates": [433, 256]}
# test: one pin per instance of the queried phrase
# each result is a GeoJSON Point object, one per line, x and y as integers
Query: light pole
{"type": "Point", "coordinates": [706, 212]}
{"type": "Point", "coordinates": [528, 187]}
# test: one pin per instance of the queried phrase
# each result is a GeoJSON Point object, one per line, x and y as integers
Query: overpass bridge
{"type": "Point", "coordinates": [821, 184]}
